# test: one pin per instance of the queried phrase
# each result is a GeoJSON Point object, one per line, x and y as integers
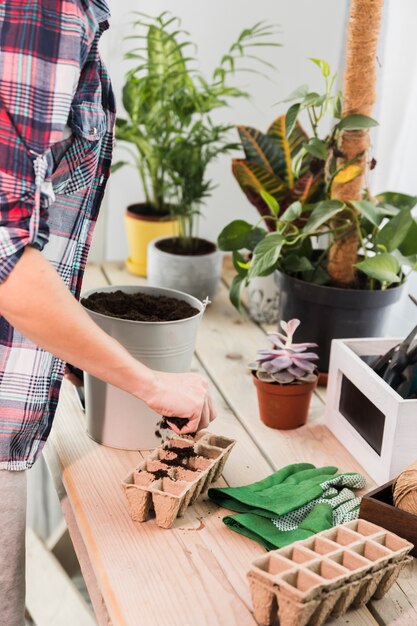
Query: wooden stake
{"type": "Point", "coordinates": [358, 98]}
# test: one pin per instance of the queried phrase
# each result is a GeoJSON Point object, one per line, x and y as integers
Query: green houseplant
{"type": "Point", "coordinates": [285, 378]}
{"type": "Point", "coordinates": [303, 260]}
{"type": "Point", "coordinates": [171, 134]}
{"type": "Point", "coordinates": [170, 106]}
{"type": "Point", "coordinates": [268, 167]}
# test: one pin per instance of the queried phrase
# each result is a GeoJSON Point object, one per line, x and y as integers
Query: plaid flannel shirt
{"type": "Point", "coordinates": [51, 187]}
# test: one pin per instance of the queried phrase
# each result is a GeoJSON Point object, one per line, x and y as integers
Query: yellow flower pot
{"type": "Point", "coordinates": [141, 229]}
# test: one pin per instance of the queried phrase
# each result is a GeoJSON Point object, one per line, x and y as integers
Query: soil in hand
{"type": "Point", "coordinates": [139, 307]}
{"type": "Point", "coordinates": [179, 422]}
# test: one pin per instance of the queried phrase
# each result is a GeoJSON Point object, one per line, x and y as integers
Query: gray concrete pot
{"type": "Point", "coordinates": [196, 275]}
{"type": "Point", "coordinates": [114, 417]}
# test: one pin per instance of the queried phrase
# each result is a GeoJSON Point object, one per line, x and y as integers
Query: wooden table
{"type": "Point", "coordinates": [194, 574]}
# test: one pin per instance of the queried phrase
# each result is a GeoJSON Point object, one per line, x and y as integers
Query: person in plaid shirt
{"type": "Point", "coordinates": [57, 117]}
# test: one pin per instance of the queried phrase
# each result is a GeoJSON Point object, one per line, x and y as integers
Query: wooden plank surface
{"type": "Point", "coordinates": [231, 382]}
{"type": "Point", "coordinates": [225, 344]}
{"type": "Point", "coordinates": [194, 573]}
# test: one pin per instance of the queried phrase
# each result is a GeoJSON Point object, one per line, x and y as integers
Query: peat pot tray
{"type": "Point", "coordinates": [322, 577]}
{"type": "Point", "coordinates": [174, 475]}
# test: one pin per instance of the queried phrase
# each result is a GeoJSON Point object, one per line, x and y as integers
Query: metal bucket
{"type": "Point", "coordinates": [114, 417]}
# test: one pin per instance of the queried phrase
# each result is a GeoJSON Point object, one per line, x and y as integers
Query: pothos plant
{"type": "Point", "coordinates": [303, 233]}
{"type": "Point", "coordinates": [169, 107]}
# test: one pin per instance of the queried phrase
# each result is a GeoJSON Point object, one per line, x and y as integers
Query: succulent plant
{"type": "Point", "coordinates": [286, 362]}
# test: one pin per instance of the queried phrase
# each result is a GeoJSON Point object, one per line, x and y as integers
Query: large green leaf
{"type": "Point", "coordinates": [239, 235]}
{"type": "Point", "coordinates": [236, 290]}
{"type": "Point", "coordinates": [131, 100]}
{"type": "Point", "coordinates": [322, 213]}
{"type": "Point", "coordinates": [292, 213]}
{"type": "Point", "coordinates": [266, 255]}
{"type": "Point", "coordinates": [295, 263]}
{"type": "Point", "coordinates": [408, 246]}
{"type": "Point", "coordinates": [260, 149]}
{"type": "Point", "coordinates": [240, 264]}
{"type": "Point", "coordinates": [257, 178]}
{"type": "Point", "coordinates": [397, 200]}
{"type": "Point", "coordinates": [316, 148]}
{"type": "Point", "coordinates": [291, 118]}
{"type": "Point", "coordinates": [384, 267]}
{"type": "Point", "coordinates": [289, 148]}
{"type": "Point", "coordinates": [395, 231]}
{"type": "Point", "coordinates": [369, 211]}
{"type": "Point", "coordinates": [356, 122]}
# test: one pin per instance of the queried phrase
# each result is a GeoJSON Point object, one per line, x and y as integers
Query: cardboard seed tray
{"type": "Point", "coordinates": [323, 576]}
{"type": "Point", "coordinates": [169, 496]}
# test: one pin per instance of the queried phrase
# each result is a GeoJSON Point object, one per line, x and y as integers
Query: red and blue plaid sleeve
{"type": "Point", "coordinates": [44, 44]}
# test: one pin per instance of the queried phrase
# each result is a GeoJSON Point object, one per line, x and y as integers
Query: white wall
{"type": "Point", "coordinates": [309, 29]}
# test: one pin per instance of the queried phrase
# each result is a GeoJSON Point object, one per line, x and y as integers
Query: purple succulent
{"type": "Point", "coordinates": [286, 362]}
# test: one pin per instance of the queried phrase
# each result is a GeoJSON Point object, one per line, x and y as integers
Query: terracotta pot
{"type": "Point", "coordinates": [284, 406]}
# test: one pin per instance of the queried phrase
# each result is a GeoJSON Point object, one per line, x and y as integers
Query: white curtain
{"type": "Point", "coordinates": [395, 140]}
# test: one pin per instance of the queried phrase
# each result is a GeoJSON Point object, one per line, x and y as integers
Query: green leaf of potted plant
{"type": "Point", "coordinates": [285, 379]}
{"type": "Point", "coordinates": [147, 131]}
{"type": "Point", "coordinates": [303, 248]}
{"type": "Point", "coordinates": [192, 141]}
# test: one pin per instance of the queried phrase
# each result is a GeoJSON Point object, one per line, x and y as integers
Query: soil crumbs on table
{"type": "Point", "coordinates": [139, 307]}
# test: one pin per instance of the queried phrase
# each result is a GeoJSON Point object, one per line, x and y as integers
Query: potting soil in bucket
{"type": "Point", "coordinates": [158, 327]}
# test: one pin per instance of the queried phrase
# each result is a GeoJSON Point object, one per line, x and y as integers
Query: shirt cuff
{"type": "Point", "coordinates": [15, 234]}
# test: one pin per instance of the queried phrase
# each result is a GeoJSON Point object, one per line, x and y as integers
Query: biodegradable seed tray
{"type": "Point", "coordinates": [169, 483]}
{"type": "Point", "coordinates": [323, 576]}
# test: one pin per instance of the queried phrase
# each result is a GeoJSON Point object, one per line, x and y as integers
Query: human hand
{"type": "Point", "coordinates": [181, 395]}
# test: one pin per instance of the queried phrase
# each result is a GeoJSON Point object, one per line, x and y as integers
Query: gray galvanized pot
{"type": "Point", "coordinates": [196, 275]}
{"type": "Point", "coordinates": [114, 417]}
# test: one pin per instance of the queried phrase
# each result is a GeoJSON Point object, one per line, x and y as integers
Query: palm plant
{"type": "Point", "coordinates": [170, 105]}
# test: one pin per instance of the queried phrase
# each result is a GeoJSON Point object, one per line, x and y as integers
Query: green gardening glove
{"type": "Point", "coordinates": [284, 491]}
{"type": "Point", "coordinates": [294, 503]}
{"type": "Point", "coordinates": [265, 532]}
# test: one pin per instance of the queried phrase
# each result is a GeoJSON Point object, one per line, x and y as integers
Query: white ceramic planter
{"type": "Point", "coordinates": [376, 425]}
{"type": "Point", "coordinates": [197, 275]}
{"type": "Point", "coordinates": [114, 417]}
{"type": "Point", "coordinates": [263, 299]}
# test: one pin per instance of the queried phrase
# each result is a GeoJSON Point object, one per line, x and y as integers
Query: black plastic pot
{"type": "Point", "coordinates": [328, 313]}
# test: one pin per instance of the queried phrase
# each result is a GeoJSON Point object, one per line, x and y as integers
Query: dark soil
{"type": "Point", "coordinates": [182, 457]}
{"type": "Point", "coordinates": [198, 247]}
{"type": "Point", "coordinates": [141, 209]}
{"type": "Point", "coordinates": [160, 474]}
{"type": "Point", "coordinates": [184, 453]}
{"type": "Point", "coordinates": [179, 422]}
{"type": "Point", "coordinates": [139, 307]}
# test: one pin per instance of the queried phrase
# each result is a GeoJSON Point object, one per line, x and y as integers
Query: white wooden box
{"type": "Point", "coordinates": [376, 425]}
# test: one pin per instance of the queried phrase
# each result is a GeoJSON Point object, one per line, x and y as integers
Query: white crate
{"type": "Point", "coordinates": [395, 424]}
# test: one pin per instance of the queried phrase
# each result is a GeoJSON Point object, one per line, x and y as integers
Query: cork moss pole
{"type": "Point", "coordinates": [359, 97]}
